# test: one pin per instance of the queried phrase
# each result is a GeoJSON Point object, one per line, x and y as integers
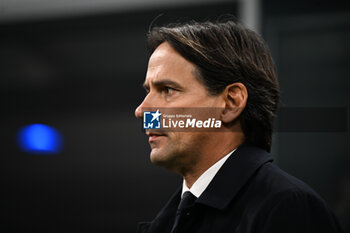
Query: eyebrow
{"type": "Point", "coordinates": [162, 83]}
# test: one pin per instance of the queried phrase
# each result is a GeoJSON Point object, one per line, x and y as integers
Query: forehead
{"type": "Point", "coordinates": [166, 62]}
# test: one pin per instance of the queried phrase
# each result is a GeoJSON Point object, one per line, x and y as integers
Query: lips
{"type": "Point", "coordinates": [153, 136]}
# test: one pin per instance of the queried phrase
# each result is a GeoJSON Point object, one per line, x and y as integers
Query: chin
{"type": "Point", "coordinates": [157, 156]}
{"type": "Point", "coordinates": [161, 158]}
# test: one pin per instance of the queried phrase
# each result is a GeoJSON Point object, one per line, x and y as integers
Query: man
{"type": "Point", "coordinates": [230, 183]}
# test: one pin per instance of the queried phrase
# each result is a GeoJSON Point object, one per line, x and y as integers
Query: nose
{"type": "Point", "coordinates": [138, 110]}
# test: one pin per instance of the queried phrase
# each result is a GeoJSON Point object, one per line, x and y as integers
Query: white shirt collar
{"type": "Point", "coordinates": [204, 180]}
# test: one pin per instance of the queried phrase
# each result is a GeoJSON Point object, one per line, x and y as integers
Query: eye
{"type": "Point", "coordinates": [168, 90]}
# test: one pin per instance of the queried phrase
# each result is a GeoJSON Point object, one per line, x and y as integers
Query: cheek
{"type": "Point", "coordinates": [190, 142]}
{"type": "Point", "coordinates": [200, 98]}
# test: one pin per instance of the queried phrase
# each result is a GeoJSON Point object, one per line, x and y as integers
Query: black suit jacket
{"type": "Point", "coordinates": [249, 194]}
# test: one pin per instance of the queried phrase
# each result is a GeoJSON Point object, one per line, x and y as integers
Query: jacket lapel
{"type": "Point", "coordinates": [143, 227]}
{"type": "Point", "coordinates": [165, 218]}
{"type": "Point", "coordinates": [233, 175]}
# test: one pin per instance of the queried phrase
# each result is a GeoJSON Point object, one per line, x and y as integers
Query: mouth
{"type": "Point", "coordinates": [153, 136]}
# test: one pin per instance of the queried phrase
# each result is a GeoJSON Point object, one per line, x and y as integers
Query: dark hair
{"type": "Point", "coordinates": [224, 53]}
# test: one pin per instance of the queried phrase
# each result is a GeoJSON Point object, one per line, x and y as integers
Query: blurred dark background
{"type": "Point", "coordinates": [80, 68]}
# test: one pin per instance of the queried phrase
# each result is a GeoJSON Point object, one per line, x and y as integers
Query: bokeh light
{"type": "Point", "coordinates": [40, 139]}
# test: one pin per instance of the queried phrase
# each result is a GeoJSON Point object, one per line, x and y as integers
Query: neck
{"type": "Point", "coordinates": [210, 157]}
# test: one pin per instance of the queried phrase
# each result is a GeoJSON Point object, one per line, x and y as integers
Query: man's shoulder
{"type": "Point", "coordinates": [275, 200]}
{"type": "Point", "coordinates": [273, 188]}
{"type": "Point", "coordinates": [281, 201]}
{"type": "Point", "coordinates": [268, 183]}
{"type": "Point", "coordinates": [273, 182]}
{"type": "Point", "coordinates": [274, 179]}
{"type": "Point", "coordinates": [267, 177]}
{"type": "Point", "coordinates": [251, 174]}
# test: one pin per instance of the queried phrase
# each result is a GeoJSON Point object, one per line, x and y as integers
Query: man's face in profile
{"type": "Point", "coordinates": [171, 83]}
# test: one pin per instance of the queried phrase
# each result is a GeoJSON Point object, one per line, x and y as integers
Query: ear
{"type": "Point", "coordinates": [235, 96]}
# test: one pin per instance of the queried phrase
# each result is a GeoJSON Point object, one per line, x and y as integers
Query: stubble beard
{"type": "Point", "coordinates": [179, 156]}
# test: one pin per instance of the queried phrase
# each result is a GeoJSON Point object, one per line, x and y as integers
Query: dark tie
{"type": "Point", "coordinates": [187, 200]}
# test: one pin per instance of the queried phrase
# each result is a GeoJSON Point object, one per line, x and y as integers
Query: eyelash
{"type": "Point", "coordinates": [163, 90]}
{"type": "Point", "coordinates": [168, 89]}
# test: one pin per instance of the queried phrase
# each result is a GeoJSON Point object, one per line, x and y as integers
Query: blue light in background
{"type": "Point", "coordinates": [40, 139]}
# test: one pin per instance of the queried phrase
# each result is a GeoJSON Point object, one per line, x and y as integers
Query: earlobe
{"type": "Point", "coordinates": [235, 96]}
